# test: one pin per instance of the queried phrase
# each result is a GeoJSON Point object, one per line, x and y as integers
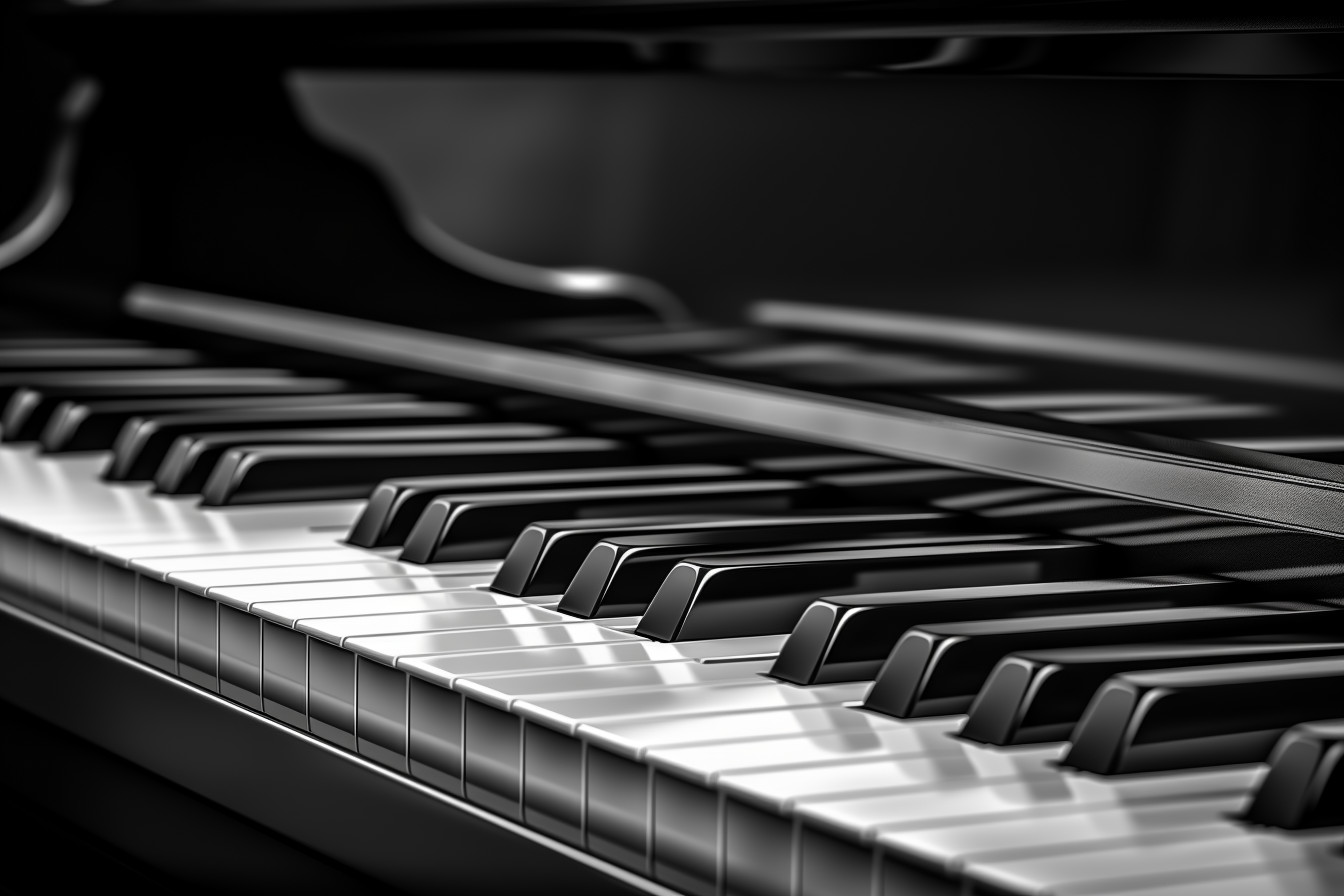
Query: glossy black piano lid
{"type": "Point", "coordinates": [1183, 188]}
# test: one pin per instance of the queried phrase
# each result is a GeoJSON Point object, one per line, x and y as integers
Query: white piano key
{"type": "Point", "coordinates": [883, 816]}
{"type": "Point", "coordinates": [784, 790]}
{"type": "Point", "coordinates": [1324, 877]}
{"type": "Point", "coordinates": [503, 690]}
{"type": "Point", "coordinates": [601, 646]}
{"type": "Point", "coordinates": [337, 629]}
{"type": "Point", "coordinates": [292, 612]}
{"type": "Point", "coordinates": [505, 649]}
{"type": "Point", "coordinates": [689, 829]}
{"type": "Point", "coordinates": [706, 763]}
{"type": "Point", "coordinates": [851, 826]}
{"type": "Point", "coordinates": [162, 567]}
{"type": "Point", "coordinates": [635, 736]}
{"type": "Point", "coordinates": [206, 581]}
{"type": "Point", "coordinates": [136, 548]}
{"type": "Point", "coordinates": [1216, 850]}
{"type": "Point", "coordinates": [567, 712]}
{"type": "Point", "coordinates": [244, 597]}
{"type": "Point", "coordinates": [951, 844]}
{"type": "Point", "coordinates": [380, 713]}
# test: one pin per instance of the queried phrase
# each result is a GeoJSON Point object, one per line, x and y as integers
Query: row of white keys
{"type": "Point", "coordinates": [362, 704]}
{"type": "Point", "coordinates": [500, 701]}
{"type": "Point", "coordinates": [696, 846]}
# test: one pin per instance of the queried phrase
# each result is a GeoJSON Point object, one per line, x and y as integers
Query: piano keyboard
{"type": "Point", "coordinates": [744, 668]}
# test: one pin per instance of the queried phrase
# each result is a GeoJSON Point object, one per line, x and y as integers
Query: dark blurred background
{"type": "Point", "coordinates": [1189, 189]}
{"type": "Point", "coordinates": [1199, 209]}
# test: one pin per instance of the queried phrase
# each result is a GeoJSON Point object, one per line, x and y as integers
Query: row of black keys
{"type": "Point", "coordinates": [910, 374]}
{"type": "Point", "coordinates": [950, 618]}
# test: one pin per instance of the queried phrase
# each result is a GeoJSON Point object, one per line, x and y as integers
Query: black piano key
{"type": "Point", "coordinates": [13, 380]}
{"type": "Point", "coordinates": [551, 409]}
{"type": "Point", "coordinates": [673, 344]}
{"type": "Point", "coordinates": [1148, 539]}
{"type": "Point", "coordinates": [58, 340]}
{"type": "Point", "coordinates": [1051, 509]}
{"type": "Point", "coordinates": [620, 575]}
{"type": "Point", "coordinates": [765, 594]}
{"type": "Point", "coordinates": [1039, 695]}
{"type": "Point", "coordinates": [31, 406]}
{"type": "Point", "coordinates": [191, 459]}
{"type": "Point", "coordinates": [143, 443]}
{"type": "Point", "coordinates": [94, 425]}
{"type": "Point", "coordinates": [1072, 399]}
{"type": "Point", "coordinates": [938, 669]}
{"type": "Point", "coordinates": [818, 464]}
{"type": "Point", "coordinates": [1304, 787]}
{"type": "Point", "coordinates": [467, 527]}
{"type": "Point", "coordinates": [635, 427]}
{"type": "Point", "coordinates": [1194, 421]}
{"type": "Point", "coordinates": [1206, 716]}
{"type": "Point", "coordinates": [1309, 446]}
{"type": "Point", "coordinates": [848, 637]}
{"type": "Point", "coordinates": [571, 331]}
{"type": "Point", "coordinates": [94, 357]}
{"type": "Point", "coordinates": [547, 555]}
{"type": "Point", "coordinates": [283, 473]}
{"type": "Point", "coordinates": [717, 447]}
{"type": "Point", "coordinates": [890, 369]}
{"type": "Point", "coordinates": [906, 484]}
{"type": "Point", "coordinates": [396, 504]}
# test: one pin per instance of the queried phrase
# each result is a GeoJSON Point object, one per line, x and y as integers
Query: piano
{"type": "Point", "coordinates": [705, 448]}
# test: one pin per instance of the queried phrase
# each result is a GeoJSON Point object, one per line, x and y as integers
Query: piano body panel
{"type": "Point", "coordinates": [373, 828]}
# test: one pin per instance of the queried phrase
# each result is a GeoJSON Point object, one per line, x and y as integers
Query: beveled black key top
{"type": "Point", "coordinates": [620, 575]}
{"type": "Point", "coordinates": [30, 407]}
{"type": "Point", "coordinates": [1058, 400]}
{"type": "Point", "coordinates": [720, 447]}
{"type": "Point", "coordinates": [938, 669]}
{"type": "Point", "coordinates": [94, 425]}
{"type": "Point", "coordinates": [13, 380]}
{"type": "Point", "coordinates": [766, 593]}
{"type": "Point", "coordinates": [1039, 695]}
{"type": "Point", "coordinates": [283, 473]}
{"type": "Point", "coordinates": [1194, 421]}
{"type": "Point", "coordinates": [550, 409]}
{"type": "Point", "coordinates": [1206, 716]}
{"type": "Point", "coordinates": [1052, 510]}
{"type": "Point", "coordinates": [635, 427]}
{"type": "Point", "coordinates": [143, 443]}
{"type": "Point", "coordinates": [469, 527]}
{"type": "Point", "coordinates": [678, 343]}
{"type": "Point", "coordinates": [848, 637]}
{"type": "Point", "coordinates": [815, 464]}
{"type": "Point", "coordinates": [68, 342]}
{"type": "Point", "coordinates": [396, 504]}
{"type": "Point", "coordinates": [904, 485]}
{"type": "Point", "coordinates": [192, 459]}
{"type": "Point", "coordinates": [547, 555]}
{"type": "Point", "coordinates": [94, 357]}
{"type": "Point", "coordinates": [1304, 787]}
